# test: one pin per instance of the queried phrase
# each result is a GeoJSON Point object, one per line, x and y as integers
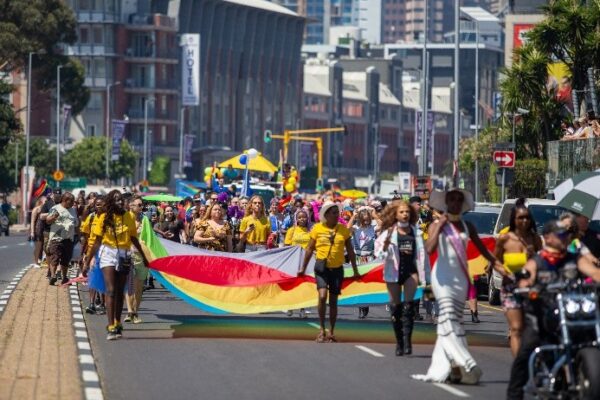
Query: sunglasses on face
{"type": "Point", "coordinates": [523, 217]}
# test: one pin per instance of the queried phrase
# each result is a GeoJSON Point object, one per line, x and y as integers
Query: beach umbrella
{"type": "Point", "coordinates": [254, 161]}
{"type": "Point", "coordinates": [167, 198]}
{"type": "Point", "coordinates": [353, 194]}
{"type": "Point", "coordinates": [581, 194]}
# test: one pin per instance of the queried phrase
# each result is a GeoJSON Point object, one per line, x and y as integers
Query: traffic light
{"type": "Point", "coordinates": [267, 136]}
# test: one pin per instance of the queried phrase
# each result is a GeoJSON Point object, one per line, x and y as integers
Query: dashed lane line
{"type": "Point", "coordinates": [369, 351]}
{"type": "Point", "coordinates": [451, 390]}
{"type": "Point", "coordinates": [490, 307]}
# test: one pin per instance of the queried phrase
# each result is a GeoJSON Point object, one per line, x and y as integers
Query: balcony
{"type": "Point", "coordinates": [134, 85]}
{"type": "Point", "coordinates": [136, 116]}
{"type": "Point", "coordinates": [145, 22]}
{"type": "Point", "coordinates": [152, 55]}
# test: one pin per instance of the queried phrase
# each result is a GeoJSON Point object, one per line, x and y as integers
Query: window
{"type": "Point", "coordinates": [98, 39]}
{"type": "Point", "coordinates": [95, 101]}
{"type": "Point", "coordinates": [91, 130]}
{"type": "Point", "coordinates": [99, 68]}
{"type": "Point", "coordinates": [84, 5]}
{"type": "Point", "coordinates": [84, 35]}
{"type": "Point", "coordinates": [163, 104]}
{"type": "Point", "coordinates": [87, 66]}
{"type": "Point", "coordinates": [163, 134]}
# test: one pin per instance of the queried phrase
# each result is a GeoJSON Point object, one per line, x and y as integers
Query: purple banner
{"type": "Point", "coordinates": [188, 144]}
{"type": "Point", "coordinates": [118, 129]}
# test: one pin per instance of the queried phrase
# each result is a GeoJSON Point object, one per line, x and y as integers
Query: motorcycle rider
{"type": "Point", "coordinates": [544, 268]}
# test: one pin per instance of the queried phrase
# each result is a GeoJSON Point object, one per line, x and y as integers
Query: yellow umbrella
{"type": "Point", "coordinates": [353, 193]}
{"type": "Point", "coordinates": [259, 163]}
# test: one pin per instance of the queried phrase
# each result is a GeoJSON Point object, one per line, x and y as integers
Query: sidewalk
{"type": "Point", "coordinates": [38, 355]}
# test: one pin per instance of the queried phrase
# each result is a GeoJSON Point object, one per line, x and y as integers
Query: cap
{"type": "Point", "coordinates": [554, 226]}
{"type": "Point", "coordinates": [415, 199]}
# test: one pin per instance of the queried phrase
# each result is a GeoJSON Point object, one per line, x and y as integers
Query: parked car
{"type": "Point", "coordinates": [542, 211]}
{"type": "Point", "coordinates": [483, 218]}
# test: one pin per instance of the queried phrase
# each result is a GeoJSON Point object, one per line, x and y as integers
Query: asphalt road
{"type": "Point", "coordinates": [15, 254]}
{"type": "Point", "coordinates": [180, 352]}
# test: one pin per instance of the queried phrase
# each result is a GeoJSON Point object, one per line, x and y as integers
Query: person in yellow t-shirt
{"type": "Point", "coordinates": [87, 242]}
{"type": "Point", "coordinates": [329, 239]}
{"type": "Point", "coordinates": [298, 235]}
{"type": "Point", "coordinates": [113, 235]}
{"type": "Point", "coordinates": [255, 226]}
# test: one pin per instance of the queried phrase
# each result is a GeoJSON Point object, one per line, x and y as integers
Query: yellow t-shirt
{"type": "Point", "coordinates": [321, 234]}
{"type": "Point", "coordinates": [297, 236]}
{"type": "Point", "coordinates": [86, 225]}
{"type": "Point", "coordinates": [120, 237]}
{"type": "Point", "coordinates": [261, 231]}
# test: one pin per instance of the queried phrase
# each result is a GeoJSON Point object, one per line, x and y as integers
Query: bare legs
{"type": "Point", "coordinates": [515, 325]}
{"type": "Point", "coordinates": [333, 305]}
{"type": "Point", "coordinates": [115, 286]}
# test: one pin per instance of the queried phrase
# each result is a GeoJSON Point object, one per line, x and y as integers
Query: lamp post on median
{"type": "Point", "coordinates": [107, 161]}
{"type": "Point", "coordinates": [145, 163]}
{"type": "Point", "coordinates": [27, 134]}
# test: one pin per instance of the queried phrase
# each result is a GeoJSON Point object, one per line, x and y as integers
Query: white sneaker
{"type": "Point", "coordinates": [34, 265]}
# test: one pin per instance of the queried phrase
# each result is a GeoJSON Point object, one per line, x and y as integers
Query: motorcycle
{"type": "Point", "coordinates": [567, 364]}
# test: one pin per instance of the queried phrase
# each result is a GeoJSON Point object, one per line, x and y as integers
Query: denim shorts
{"type": "Point", "coordinates": [331, 279]}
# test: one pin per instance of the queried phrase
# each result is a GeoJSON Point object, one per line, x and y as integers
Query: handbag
{"type": "Point", "coordinates": [321, 264]}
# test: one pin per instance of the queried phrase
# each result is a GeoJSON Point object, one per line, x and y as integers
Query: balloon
{"type": "Point", "coordinates": [289, 187]}
{"type": "Point", "coordinates": [207, 170]}
{"type": "Point", "coordinates": [223, 171]}
{"type": "Point", "coordinates": [207, 177]}
{"type": "Point", "coordinates": [252, 153]}
{"type": "Point", "coordinates": [294, 174]}
{"type": "Point", "coordinates": [243, 159]}
{"type": "Point", "coordinates": [291, 181]}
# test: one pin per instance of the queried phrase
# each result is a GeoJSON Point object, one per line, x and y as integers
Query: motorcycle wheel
{"type": "Point", "coordinates": [588, 373]}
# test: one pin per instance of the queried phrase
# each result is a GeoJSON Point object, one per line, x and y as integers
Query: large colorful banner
{"type": "Point", "coordinates": [250, 283]}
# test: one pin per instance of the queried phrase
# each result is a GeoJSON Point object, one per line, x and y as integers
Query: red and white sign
{"type": "Point", "coordinates": [504, 159]}
{"type": "Point", "coordinates": [519, 32]}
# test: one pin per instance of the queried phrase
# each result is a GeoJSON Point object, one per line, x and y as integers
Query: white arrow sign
{"type": "Point", "coordinates": [506, 159]}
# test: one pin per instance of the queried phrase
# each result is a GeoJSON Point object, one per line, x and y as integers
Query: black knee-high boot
{"type": "Point", "coordinates": [398, 331]}
{"type": "Point", "coordinates": [408, 318]}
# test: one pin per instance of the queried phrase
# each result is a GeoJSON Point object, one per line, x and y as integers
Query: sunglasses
{"type": "Point", "coordinates": [524, 217]}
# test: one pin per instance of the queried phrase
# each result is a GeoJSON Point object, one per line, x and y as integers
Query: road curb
{"type": "Point", "coordinates": [92, 388]}
{"type": "Point", "coordinates": [10, 288]}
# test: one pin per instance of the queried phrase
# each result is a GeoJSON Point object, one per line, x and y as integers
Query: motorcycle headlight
{"type": "Point", "coordinates": [572, 307]}
{"type": "Point", "coordinates": [588, 306]}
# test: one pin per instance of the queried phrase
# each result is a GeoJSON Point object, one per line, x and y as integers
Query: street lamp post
{"type": "Point", "coordinates": [107, 161]}
{"type": "Point", "coordinates": [456, 88]}
{"type": "Point", "coordinates": [145, 166]}
{"type": "Point", "coordinates": [520, 112]}
{"type": "Point", "coordinates": [181, 140]}
{"type": "Point", "coordinates": [58, 119]}
{"type": "Point", "coordinates": [27, 133]}
{"type": "Point", "coordinates": [476, 107]}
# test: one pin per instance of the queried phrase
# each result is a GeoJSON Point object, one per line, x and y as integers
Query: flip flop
{"type": "Point", "coordinates": [331, 339]}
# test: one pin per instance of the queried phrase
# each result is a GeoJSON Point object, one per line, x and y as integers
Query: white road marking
{"type": "Point", "coordinates": [4, 296]}
{"type": "Point", "coordinates": [86, 359]}
{"type": "Point", "coordinates": [3, 302]}
{"type": "Point", "coordinates": [90, 376]}
{"type": "Point", "coordinates": [369, 351]}
{"type": "Point", "coordinates": [1, 309]}
{"type": "Point", "coordinates": [83, 346]}
{"type": "Point", "coordinates": [21, 244]}
{"type": "Point", "coordinates": [79, 324]}
{"type": "Point", "coordinates": [93, 394]}
{"type": "Point", "coordinates": [451, 389]}
{"type": "Point", "coordinates": [10, 287]}
{"type": "Point", "coordinates": [80, 334]}
{"type": "Point", "coordinates": [77, 316]}
{"type": "Point", "coordinates": [3, 247]}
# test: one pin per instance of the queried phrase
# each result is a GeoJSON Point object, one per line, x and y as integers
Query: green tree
{"type": "Point", "coordinates": [160, 173]}
{"type": "Point", "coordinates": [43, 27]}
{"type": "Point", "coordinates": [87, 159]}
{"type": "Point", "coordinates": [570, 33]}
{"type": "Point", "coordinates": [524, 86]}
{"type": "Point", "coordinates": [40, 157]}
{"type": "Point", "coordinates": [10, 126]}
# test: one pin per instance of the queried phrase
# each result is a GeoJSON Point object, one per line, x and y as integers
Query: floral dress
{"type": "Point", "coordinates": [207, 230]}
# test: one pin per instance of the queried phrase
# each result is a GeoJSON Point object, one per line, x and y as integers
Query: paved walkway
{"type": "Point", "coordinates": [38, 355]}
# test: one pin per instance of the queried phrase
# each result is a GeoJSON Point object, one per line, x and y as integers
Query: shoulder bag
{"type": "Point", "coordinates": [321, 264]}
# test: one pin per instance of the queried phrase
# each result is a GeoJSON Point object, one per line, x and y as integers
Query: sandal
{"type": "Point", "coordinates": [321, 337]}
{"type": "Point", "coordinates": [331, 339]}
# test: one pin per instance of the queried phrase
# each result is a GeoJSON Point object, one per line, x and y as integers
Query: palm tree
{"type": "Point", "coordinates": [524, 86]}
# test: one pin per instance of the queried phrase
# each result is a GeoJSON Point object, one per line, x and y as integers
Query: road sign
{"type": "Point", "coordinates": [58, 175]}
{"type": "Point", "coordinates": [504, 159]}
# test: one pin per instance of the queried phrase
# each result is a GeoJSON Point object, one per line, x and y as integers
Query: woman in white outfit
{"type": "Point", "coordinates": [451, 284]}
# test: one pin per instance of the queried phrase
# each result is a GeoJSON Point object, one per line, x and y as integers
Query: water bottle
{"type": "Point", "coordinates": [30, 239]}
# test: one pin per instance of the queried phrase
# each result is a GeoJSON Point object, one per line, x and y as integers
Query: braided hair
{"type": "Point", "coordinates": [112, 208]}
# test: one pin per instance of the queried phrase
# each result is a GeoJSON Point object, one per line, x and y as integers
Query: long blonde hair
{"type": "Point", "coordinates": [208, 212]}
{"type": "Point", "coordinates": [248, 210]}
